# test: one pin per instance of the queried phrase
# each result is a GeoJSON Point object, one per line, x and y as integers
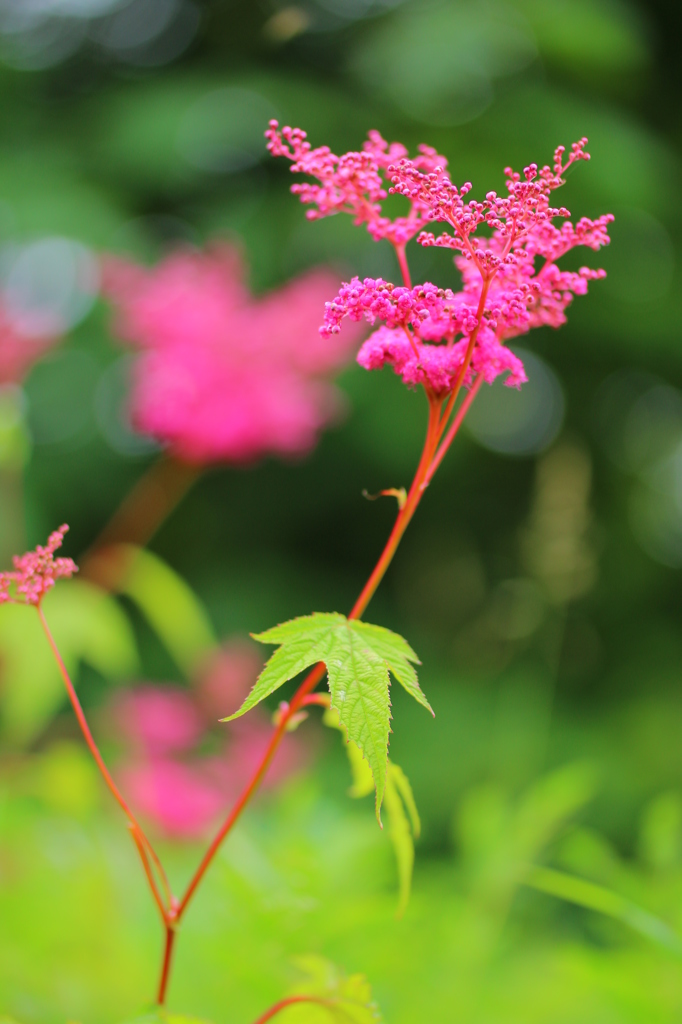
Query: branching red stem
{"type": "Point", "coordinates": [136, 828]}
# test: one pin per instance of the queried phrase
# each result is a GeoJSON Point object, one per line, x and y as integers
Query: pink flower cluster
{"type": "Point", "coordinates": [356, 182]}
{"type": "Point", "coordinates": [175, 783]}
{"type": "Point", "coordinates": [434, 336]}
{"type": "Point", "coordinates": [36, 572]}
{"type": "Point", "coordinates": [222, 375]}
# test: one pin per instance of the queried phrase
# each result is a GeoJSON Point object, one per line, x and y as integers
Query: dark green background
{"type": "Point", "coordinates": [89, 149]}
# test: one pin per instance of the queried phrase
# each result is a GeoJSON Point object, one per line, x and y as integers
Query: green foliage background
{"type": "Point", "coordinates": [555, 683]}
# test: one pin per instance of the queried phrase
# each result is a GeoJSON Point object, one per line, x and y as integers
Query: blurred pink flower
{"type": "Point", "coordinates": [170, 780]}
{"type": "Point", "coordinates": [18, 352]}
{"type": "Point", "coordinates": [223, 375]}
{"type": "Point", "coordinates": [160, 721]}
{"type": "Point", "coordinates": [36, 572]}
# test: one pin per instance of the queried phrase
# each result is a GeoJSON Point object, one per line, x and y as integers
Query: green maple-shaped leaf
{"type": "Point", "coordinates": [404, 825]}
{"type": "Point", "coordinates": [358, 658]}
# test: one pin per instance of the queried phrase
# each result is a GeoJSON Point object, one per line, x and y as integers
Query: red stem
{"type": "Point", "coordinates": [454, 427]}
{"type": "Point", "coordinates": [167, 961]}
{"type": "Point", "coordinates": [149, 873]}
{"type": "Point", "coordinates": [402, 261]}
{"type": "Point", "coordinates": [311, 681]}
{"type": "Point", "coordinates": [291, 1001]}
{"type": "Point", "coordinates": [436, 426]}
{"type": "Point", "coordinates": [313, 678]}
{"type": "Point", "coordinates": [138, 833]}
{"type": "Point", "coordinates": [406, 512]}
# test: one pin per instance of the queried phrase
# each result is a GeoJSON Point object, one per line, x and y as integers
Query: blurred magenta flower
{"type": "Point", "coordinates": [18, 351]}
{"type": "Point", "coordinates": [169, 778]}
{"type": "Point", "coordinates": [223, 375]}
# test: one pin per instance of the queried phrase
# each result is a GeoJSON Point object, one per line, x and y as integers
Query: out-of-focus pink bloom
{"type": "Point", "coordinates": [36, 572]}
{"type": "Point", "coordinates": [226, 677]}
{"type": "Point", "coordinates": [169, 779]}
{"type": "Point", "coordinates": [356, 182]}
{"type": "Point", "coordinates": [180, 798]}
{"type": "Point", "coordinates": [18, 352]}
{"type": "Point", "coordinates": [160, 721]}
{"type": "Point", "coordinates": [223, 375]}
{"type": "Point", "coordinates": [434, 336]}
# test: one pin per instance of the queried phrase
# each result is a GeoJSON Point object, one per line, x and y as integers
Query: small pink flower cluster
{"type": "Point", "coordinates": [504, 294]}
{"type": "Point", "coordinates": [36, 572]}
{"type": "Point", "coordinates": [435, 315]}
{"type": "Point", "coordinates": [224, 376]}
{"type": "Point", "coordinates": [355, 183]}
{"type": "Point", "coordinates": [438, 366]}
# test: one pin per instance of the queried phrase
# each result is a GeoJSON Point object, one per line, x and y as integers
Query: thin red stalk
{"type": "Point", "coordinates": [454, 427]}
{"type": "Point", "coordinates": [308, 684]}
{"type": "Point", "coordinates": [313, 678]}
{"type": "Point", "coordinates": [94, 750]}
{"type": "Point", "coordinates": [422, 476]}
{"type": "Point", "coordinates": [406, 512]}
{"type": "Point", "coordinates": [402, 261]}
{"type": "Point", "coordinates": [290, 1001]}
{"type": "Point", "coordinates": [459, 380]}
{"type": "Point", "coordinates": [166, 966]}
{"type": "Point", "coordinates": [149, 873]}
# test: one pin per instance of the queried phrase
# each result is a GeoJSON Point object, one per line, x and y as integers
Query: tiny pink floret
{"type": "Point", "coordinates": [36, 572]}
{"type": "Point", "coordinates": [434, 336]}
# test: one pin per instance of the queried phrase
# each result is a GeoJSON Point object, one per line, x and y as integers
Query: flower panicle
{"type": "Point", "coordinates": [36, 572]}
{"type": "Point", "coordinates": [356, 182]}
{"type": "Point", "coordinates": [429, 334]}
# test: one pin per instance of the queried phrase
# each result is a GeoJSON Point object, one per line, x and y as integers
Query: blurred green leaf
{"type": "Point", "coordinates": [171, 607]}
{"type": "Point", "coordinates": [404, 825]}
{"type": "Point", "coordinates": [157, 1015]}
{"type": "Point", "coordinates": [188, 126]}
{"type": "Point", "coordinates": [349, 996]}
{"type": "Point", "coordinates": [660, 837]}
{"type": "Point", "coordinates": [585, 36]}
{"type": "Point", "coordinates": [44, 192]}
{"type": "Point", "coordinates": [437, 60]}
{"type": "Point", "coordinates": [88, 625]}
{"type": "Point", "coordinates": [605, 901]}
{"type": "Point", "coordinates": [65, 779]}
{"type": "Point", "coordinates": [403, 828]}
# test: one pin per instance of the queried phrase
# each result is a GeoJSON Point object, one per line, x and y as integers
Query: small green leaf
{"type": "Point", "coordinates": [171, 607]}
{"type": "Point", "coordinates": [348, 998]}
{"type": "Point", "coordinates": [358, 657]}
{"type": "Point", "coordinates": [604, 901]}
